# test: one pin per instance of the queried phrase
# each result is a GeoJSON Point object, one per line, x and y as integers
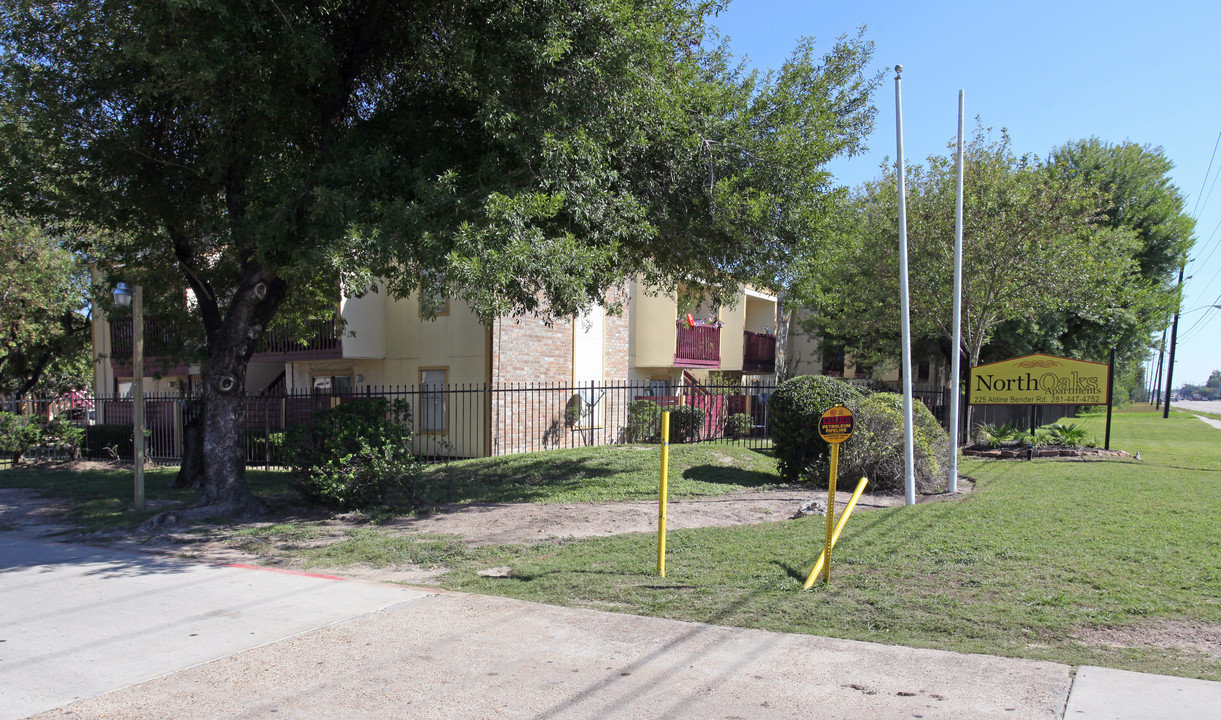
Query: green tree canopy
{"type": "Point", "coordinates": [1030, 245]}
{"type": "Point", "coordinates": [524, 157]}
{"type": "Point", "coordinates": [1139, 198]}
{"type": "Point", "coordinates": [44, 312]}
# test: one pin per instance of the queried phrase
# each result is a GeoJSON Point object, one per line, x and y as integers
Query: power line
{"type": "Point", "coordinates": [1194, 210]}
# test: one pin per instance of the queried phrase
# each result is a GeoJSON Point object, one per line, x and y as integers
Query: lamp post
{"type": "Point", "coordinates": [124, 297]}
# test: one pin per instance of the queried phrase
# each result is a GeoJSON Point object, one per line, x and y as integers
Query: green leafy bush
{"type": "Point", "coordinates": [796, 406]}
{"type": "Point", "coordinates": [17, 435]}
{"type": "Point", "coordinates": [1070, 436]}
{"type": "Point", "coordinates": [643, 422]}
{"type": "Point", "coordinates": [738, 425]}
{"type": "Point", "coordinates": [686, 423]}
{"type": "Point", "coordinates": [876, 448]}
{"type": "Point", "coordinates": [995, 436]}
{"type": "Point", "coordinates": [60, 437]}
{"type": "Point", "coordinates": [355, 455]}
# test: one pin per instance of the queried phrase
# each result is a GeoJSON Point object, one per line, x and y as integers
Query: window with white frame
{"type": "Point", "coordinates": [432, 401]}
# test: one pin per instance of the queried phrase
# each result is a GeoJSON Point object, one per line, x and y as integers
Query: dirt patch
{"type": "Point", "coordinates": [277, 540]}
{"type": "Point", "coordinates": [1199, 637]}
{"type": "Point", "coordinates": [520, 523]}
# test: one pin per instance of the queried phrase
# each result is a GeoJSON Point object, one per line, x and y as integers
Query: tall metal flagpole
{"type": "Point", "coordinates": [909, 453]}
{"type": "Point", "coordinates": [956, 371]}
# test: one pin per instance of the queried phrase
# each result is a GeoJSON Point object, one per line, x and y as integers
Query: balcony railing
{"type": "Point", "coordinates": [758, 352]}
{"type": "Point", "coordinates": [698, 346]}
{"type": "Point", "coordinates": [323, 343]}
{"type": "Point", "coordinates": [161, 340]}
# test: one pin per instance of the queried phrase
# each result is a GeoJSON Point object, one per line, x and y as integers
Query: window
{"type": "Point", "coordinates": [659, 386]}
{"type": "Point", "coordinates": [432, 302]}
{"type": "Point", "coordinates": [332, 384]}
{"type": "Point", "coordinates": [432, 400]}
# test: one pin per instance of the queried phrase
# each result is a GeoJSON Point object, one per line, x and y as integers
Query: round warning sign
{"type": "Point", "coordinates": [835, 425]}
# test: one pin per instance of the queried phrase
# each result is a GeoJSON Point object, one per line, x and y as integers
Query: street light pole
{"type": "Point", "coordinates": [123, 296]}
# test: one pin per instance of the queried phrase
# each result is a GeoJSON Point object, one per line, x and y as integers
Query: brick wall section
{"type": "Point", "coordinates": [525, 352]}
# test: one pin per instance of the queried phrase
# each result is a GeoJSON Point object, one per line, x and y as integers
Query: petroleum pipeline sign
{"type": "Point", "coordinates": [835, 425]}
{"type": "Point", "coordinates": [1039, 380]}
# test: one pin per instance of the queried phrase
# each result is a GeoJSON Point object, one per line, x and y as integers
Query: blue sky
{"type": "Point", "coordinates": [1048, 72]}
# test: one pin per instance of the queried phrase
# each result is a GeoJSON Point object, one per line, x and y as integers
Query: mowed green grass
{"type": "Point", "coordinates": [1036, 562]}
{"type": "Point", "coordinates": [602, 474]}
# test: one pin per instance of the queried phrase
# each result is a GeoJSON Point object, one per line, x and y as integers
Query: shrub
{"type": "Point", "coordinates": [686, 423]}
{"type": "Point", "coordinates": [17, 435]}
{"type": "Point", "coordinates": [738, 425]}
{"type": "Point", "coordinates": [643, 422]}
{"type": "Point", "coordinates": [1070, 436]}
{"type": "Point", "coordinates": [876, 448]}
{"type": "Point", "coordinates": [796, 406]}
{"type": "Point", "coordinates": [994, 436]}
{"type": "Point", "coordinates": [355, 455]}
{"type": "Point", "coordinates": [60, 437]}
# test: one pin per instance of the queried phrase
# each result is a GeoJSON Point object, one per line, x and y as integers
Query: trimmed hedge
{"type": "Point", "coordinates": [875, 449]}
{"type": "Point", "coordinates": [796, 406]}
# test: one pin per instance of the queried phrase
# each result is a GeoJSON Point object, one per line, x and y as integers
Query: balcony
{"type": "Point", "coordinates": [276, 346]}
{"type": "Point", "coordinates": [323, 344]}
{"type": "Point", "coordinates": [758, 352]}
{"type": "Point", "coordinates": [698, 346]}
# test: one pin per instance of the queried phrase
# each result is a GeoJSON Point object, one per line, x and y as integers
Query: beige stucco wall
{"type": "Point", "coordinates": [651, 319]}
{"type": "Point", "coordinates": [365, 318]}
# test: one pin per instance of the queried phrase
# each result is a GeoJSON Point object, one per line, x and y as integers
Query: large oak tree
{"type": "Point", "coordinates": [522, 156]}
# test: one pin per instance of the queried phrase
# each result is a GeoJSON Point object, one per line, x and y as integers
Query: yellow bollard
{"type": "Point", "coordinates": [839, 528]}
{"type": "Point", "coordinates": [830, 541]}
{"type": "Point", "coordinates": [662, 492]}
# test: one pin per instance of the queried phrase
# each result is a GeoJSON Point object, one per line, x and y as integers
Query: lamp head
{"type": "Point", "coordinates": [122, 295]}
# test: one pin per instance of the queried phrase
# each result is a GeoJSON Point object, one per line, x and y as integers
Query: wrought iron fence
{"type": "Point", "coordinates": [465, 421]}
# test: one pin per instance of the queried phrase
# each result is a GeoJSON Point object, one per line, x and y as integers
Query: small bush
{"type": "Point", "coordinates": [17, 435]}
{"type": "Point", "coordinates": [643, 422]}
{"type": "Point", "coordinates": [796, 406]}
{"type": "Point", "coordinates": [1070, 436]}
{"type": "Point", "coordinates": [355, 455]}
{"type": "Point", "coordinates": [686, 423]}
{"type": "Point", "coordinates": [738, 425]}
{"type": "Point", "coordinates": [876, 448]}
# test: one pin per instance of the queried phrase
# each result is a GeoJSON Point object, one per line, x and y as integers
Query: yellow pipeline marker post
{"type": "Point", "coordinates": [662, 492]}
{"type": "Point", "coordinates": [839, 528]}
{"type": "Point", "coordinates": [835, 426]}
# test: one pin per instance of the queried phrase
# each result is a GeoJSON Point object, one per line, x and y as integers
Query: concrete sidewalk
{"type": "Point", "coordinates": [78, 621]}
{"type": "Point", "coordinates": [458, 657]}
{"type": "Point", "coordinates": [1106, 694]}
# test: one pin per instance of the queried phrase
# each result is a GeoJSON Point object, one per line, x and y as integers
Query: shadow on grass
{"type": "Point", "coordinates": [721, 475]}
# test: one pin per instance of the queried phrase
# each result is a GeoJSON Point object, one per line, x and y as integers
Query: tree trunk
{"type": "Point", "coordinates": [223, 490]}
{"type": "Point", "coordinates": [191, 471]}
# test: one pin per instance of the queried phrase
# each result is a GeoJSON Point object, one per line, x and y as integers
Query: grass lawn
{"type": "Point", "coordinates": [102, 499]}
{"type": "Point", "coordinates": [600, 474]}
{"type": "Point", "coordinates": [1037, 562]}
